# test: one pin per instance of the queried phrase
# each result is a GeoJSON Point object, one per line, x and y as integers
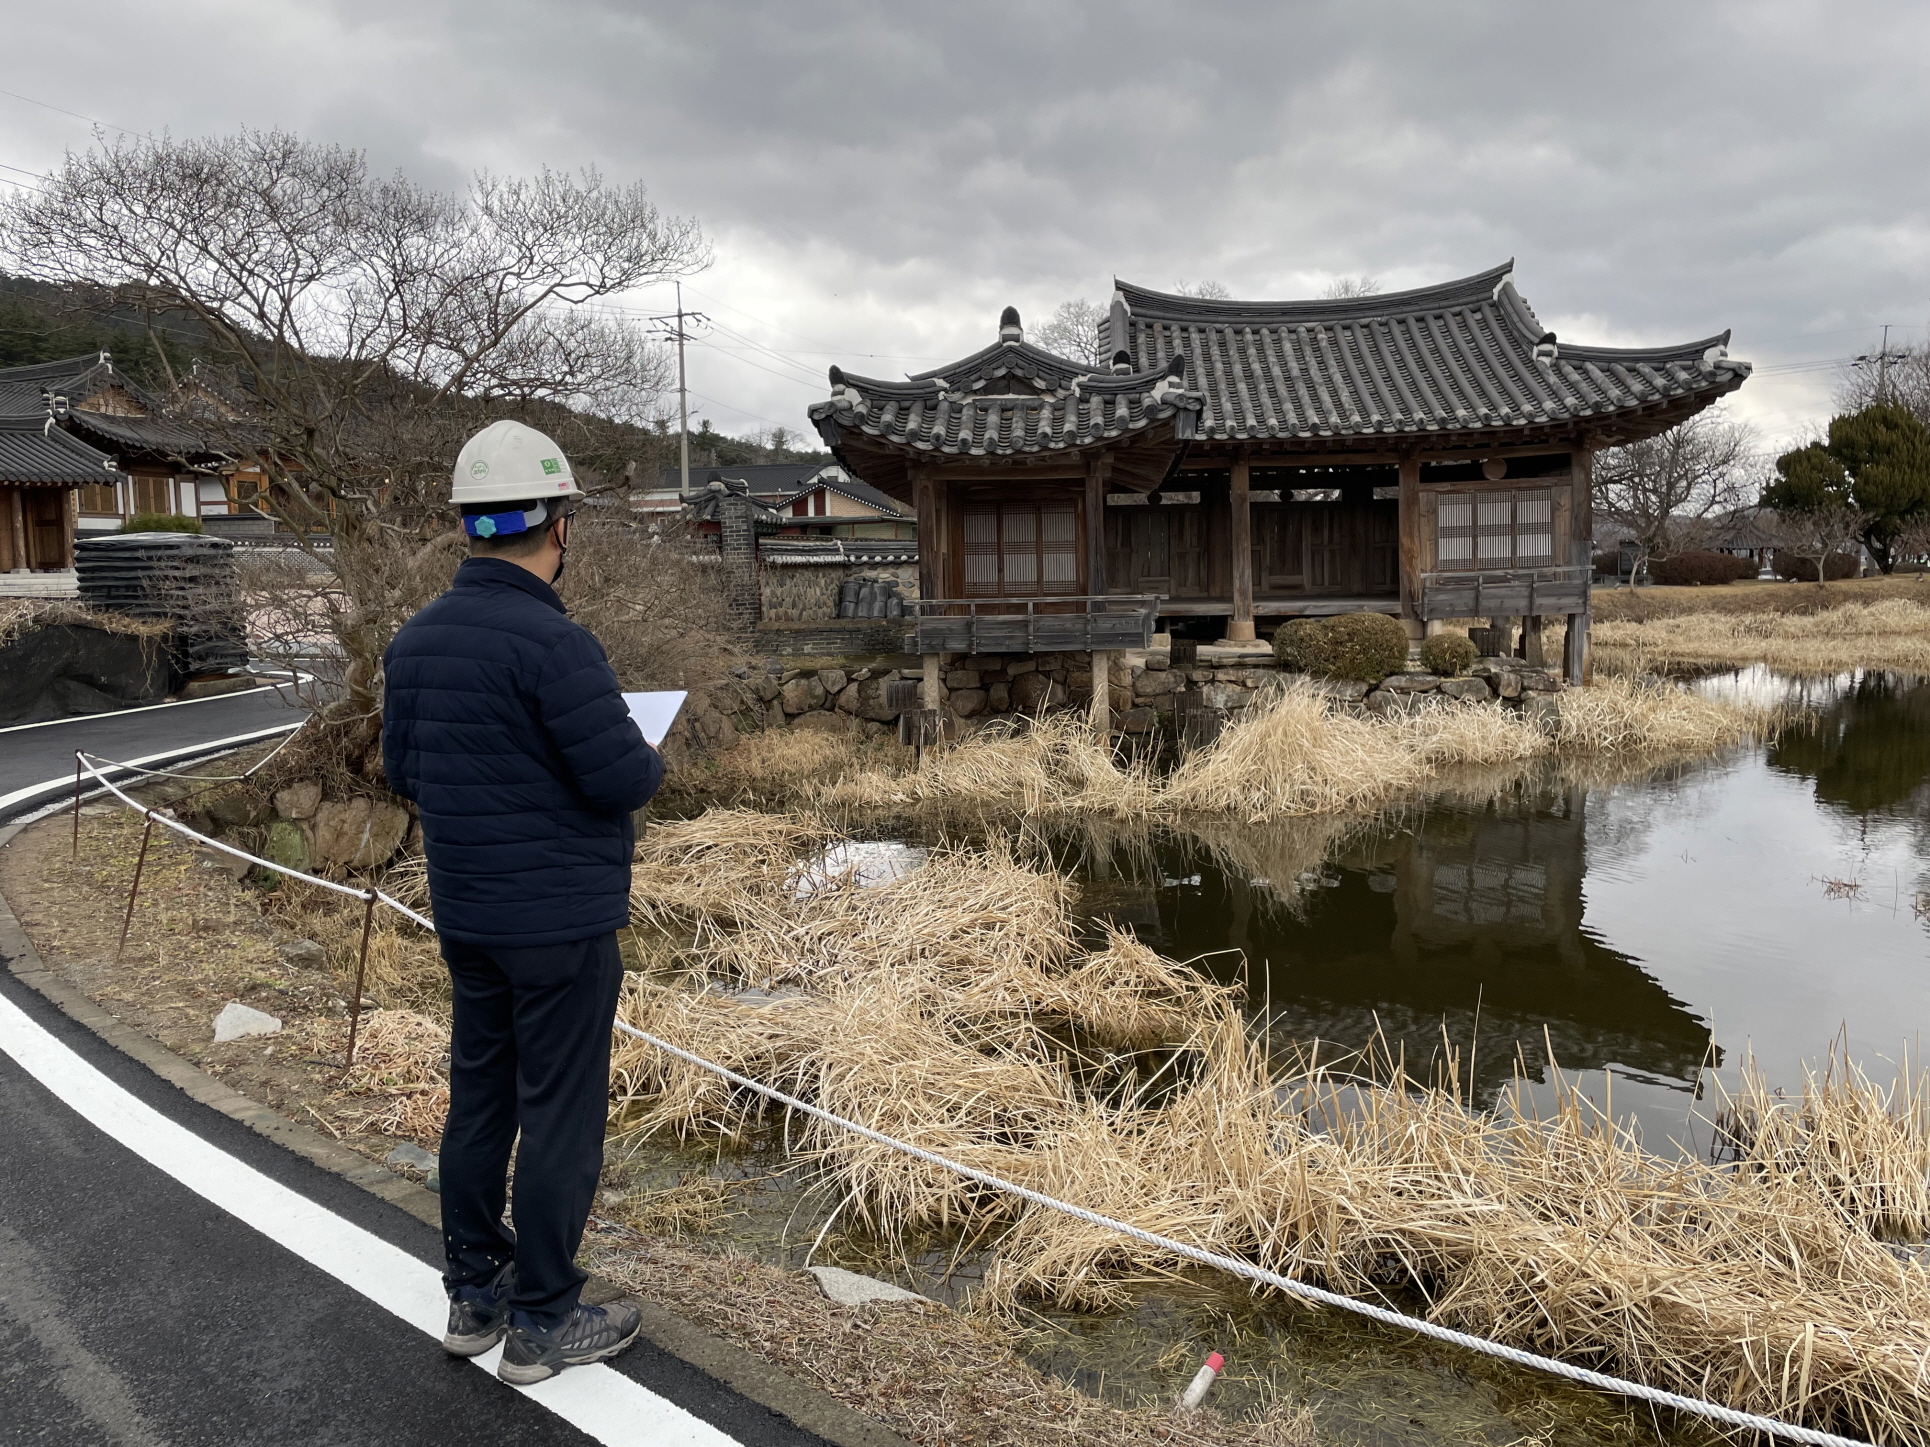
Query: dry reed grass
{"type": "Point", "coordinates": [1892, 633]}
{"type": "Point", "coordinates": [401, 1066]}
{"type": "Point", "coordinates": [1766, 1284]}
{"type": "Point", "coordinates": [1759, 1287]}
{"type": "Point", "coordinates": [1294, 753]}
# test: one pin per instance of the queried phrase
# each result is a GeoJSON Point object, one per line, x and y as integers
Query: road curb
{"type": "Point", "coordinates": [743, 1372]}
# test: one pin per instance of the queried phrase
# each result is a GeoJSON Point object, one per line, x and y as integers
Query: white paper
{"type": "Point", "coordinates": [655, 712]}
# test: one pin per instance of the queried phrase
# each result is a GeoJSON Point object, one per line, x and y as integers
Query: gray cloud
{"type": "Point", "coordinates": [881, 178]}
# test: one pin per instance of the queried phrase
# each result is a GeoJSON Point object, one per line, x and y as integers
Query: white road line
{"type": "Point", "coordinates": [50, 723]}
{"type": "Point", "coordinates": [605, 1404]}
{"type": "Point", "coordinates": [66, 781]}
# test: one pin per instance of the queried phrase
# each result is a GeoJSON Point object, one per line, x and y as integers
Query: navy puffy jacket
{"type": "Point", "coordinates": [501, 719]}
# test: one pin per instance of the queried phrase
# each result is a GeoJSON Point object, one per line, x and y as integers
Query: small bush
{"type": "Point", "coordinates": [1448, 654]}
{"type": "Point", "coordinates": [1361, 646]}
{"type": "Point", "coordinates": [161, 522]}
{"type": "Point", "coordinates": [1296, 644]}
{"type": "Point", "coordinates": [1803, 570]}
{"type": "Point", "coordinates": [1698, 567]}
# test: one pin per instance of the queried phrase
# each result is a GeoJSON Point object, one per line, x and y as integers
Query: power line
{"type": "Point", "coordinates": [44, 105]}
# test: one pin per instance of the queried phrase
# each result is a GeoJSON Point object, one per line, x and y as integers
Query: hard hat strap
{"type": "Point", "coordinates": [503, 524]}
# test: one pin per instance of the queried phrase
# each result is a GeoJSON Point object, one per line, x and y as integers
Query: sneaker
{"type": "Point", "coordinates": [587, 1334]}
{"type": "Point", "coordinates": [479, 1315]}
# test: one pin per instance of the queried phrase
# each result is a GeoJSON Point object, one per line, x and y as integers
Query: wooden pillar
{"type": "Point", "coordinates": [1410, 538]}
{"type": "Point", "coordinates": [1239, 628]}
{"type": "Point", "coordinates": [924, 493]}
{"type": "Point", "coordinates": [1098, 470]}
{"type": "Point", "coordinates": [17, 527]}
{"type": "Point", "coordinates": [70, 513]}
{"type": "Point", "coordinates": [1576, 664]}
{"type": "Point", "coordinates": [1101, 709]}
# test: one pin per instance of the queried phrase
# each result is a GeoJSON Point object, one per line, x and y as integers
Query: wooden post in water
{"type": "Point", "coordinates": [1101, 706]}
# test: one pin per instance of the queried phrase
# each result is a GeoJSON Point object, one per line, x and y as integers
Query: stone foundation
{"type": "Point", "coordinates": [848, 695]}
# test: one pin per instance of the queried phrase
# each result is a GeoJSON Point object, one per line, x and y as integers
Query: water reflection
{"type": "Point", "coordinates": [1869, 751]}
{"type": "Point", "coordinates": [1661, 924]}
{"type": "Point", "coordinates": [1458, 924]}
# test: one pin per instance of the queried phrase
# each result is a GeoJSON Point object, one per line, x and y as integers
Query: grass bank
{"type": "Point", "coordinates": [1892, 632]}
{"type": "Point", "coordinates": [959, 1009]}
{"type": "Point", "coordinates": [1295, 753]}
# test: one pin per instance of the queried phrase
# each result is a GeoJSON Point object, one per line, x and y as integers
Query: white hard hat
{"type": "Point", "coordinates": [508, 462]}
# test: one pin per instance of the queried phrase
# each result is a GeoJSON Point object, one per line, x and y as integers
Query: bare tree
{"type": "Point", "coordinates": [1901, 378]}
{"type": "Point", "coordinates": [1661, 490]}
{"type": "Point", "coordinates": [1816, 534]}
{"type": "Point", "coordinates": [361, 328]}
{"type": "Point", "coordinates": [653, 593]}
{"type": "Point", "coordinates": [1912, 544]}
{"type": "Point", "coordinates": [1205, 290]}
{"type": "Point", "coordinates": [1345, 286]}
{"type": "Point", "coordinates": [1073, 332]}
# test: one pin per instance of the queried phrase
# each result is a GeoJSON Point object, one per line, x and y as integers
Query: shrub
{"type": "Point", "coordinates": [1700, 567]}
{"type": "Point", "coordinates": [161, 522]}
{"type": "Point", "coordinates": [1361, 646]}
{"type": "Point", "coordinates": [1296, 644]}
{"type": "Point", "coordinates": [1448, 654]}
{"type": "Point", "coordinates": [1803, 570]}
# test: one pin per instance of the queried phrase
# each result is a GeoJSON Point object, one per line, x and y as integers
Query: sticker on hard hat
{"type": "Point", "coordinates": [479, 468]}
{"type": "Point", "coordinates": [551, 466]}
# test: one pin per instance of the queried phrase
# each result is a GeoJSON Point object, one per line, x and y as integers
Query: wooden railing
{"type": "Point", "coordinates": [1016, 625]}
{"type": "Point", "coordinates": [1518, 592]}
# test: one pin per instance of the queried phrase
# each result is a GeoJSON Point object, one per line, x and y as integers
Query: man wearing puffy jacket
{"type": "Point", "coordinates": [501, 719]}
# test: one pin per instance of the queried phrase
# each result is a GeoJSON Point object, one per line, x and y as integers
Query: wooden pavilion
{"type": "Point", "coordinates": [1424, 454]}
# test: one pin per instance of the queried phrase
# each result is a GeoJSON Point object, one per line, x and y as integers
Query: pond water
{"type": "Point", "coordinates": [1647, 930]}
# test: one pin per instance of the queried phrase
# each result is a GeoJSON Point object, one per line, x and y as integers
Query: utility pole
{"type": "Point", "coordinates": [675, 325]}
{"type": "Point", "coordinates": [1884, 356]}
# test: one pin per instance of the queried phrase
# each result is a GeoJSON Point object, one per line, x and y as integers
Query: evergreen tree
{"type": "Point", "coordinates": [1876, 461]}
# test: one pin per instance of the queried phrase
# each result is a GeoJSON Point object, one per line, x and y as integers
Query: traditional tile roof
{"type": "Point", "coordinates": [766, 479]}
{"type": "Point", "coordinates": [845, 485]}
{"type": "Point", "coordinates": [141, 434]}
{"type": "Point", "coordinates": [803, 552]}
{"type": "Point", "coordinates": [1009, 399]}
{"type": "Point", "coordinates": [1461, 357]}
{"type": "Point", "coordinates": [25, 392]}
{"type": "Point", "coordinates": [34, 451]}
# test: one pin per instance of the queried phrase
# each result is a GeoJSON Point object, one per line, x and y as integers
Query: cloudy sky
{"type": "Point", "coordinates": [879, 179]}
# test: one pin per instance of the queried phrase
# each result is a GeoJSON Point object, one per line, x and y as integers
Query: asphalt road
{"type": "Point", "coordinates": [136, 1310]}
{"type": "Point", "coordinates": [43, 754]}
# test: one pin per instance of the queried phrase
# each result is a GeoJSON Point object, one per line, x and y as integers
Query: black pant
{"type": "Point", "coordinates": [530, 1048]}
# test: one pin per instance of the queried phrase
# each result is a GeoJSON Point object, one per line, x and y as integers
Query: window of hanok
{"type": "Point", "coordinates": [1020, 549]}
{"type": "Point", "coordinates": [153, 494]}
{"type": "Point", "coordinates": [1494, 529]}
{"type": "Point", "coordinates": [99, 499]}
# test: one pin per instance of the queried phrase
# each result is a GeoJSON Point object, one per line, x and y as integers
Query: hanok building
{"type": "Point", "coordinates": [105, 453]}
{"type": "Point", "coordinates": [1424, 454]}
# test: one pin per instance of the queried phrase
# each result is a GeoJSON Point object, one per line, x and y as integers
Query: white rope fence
{"type": "Point", "coordinates": [1601, 1381]}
